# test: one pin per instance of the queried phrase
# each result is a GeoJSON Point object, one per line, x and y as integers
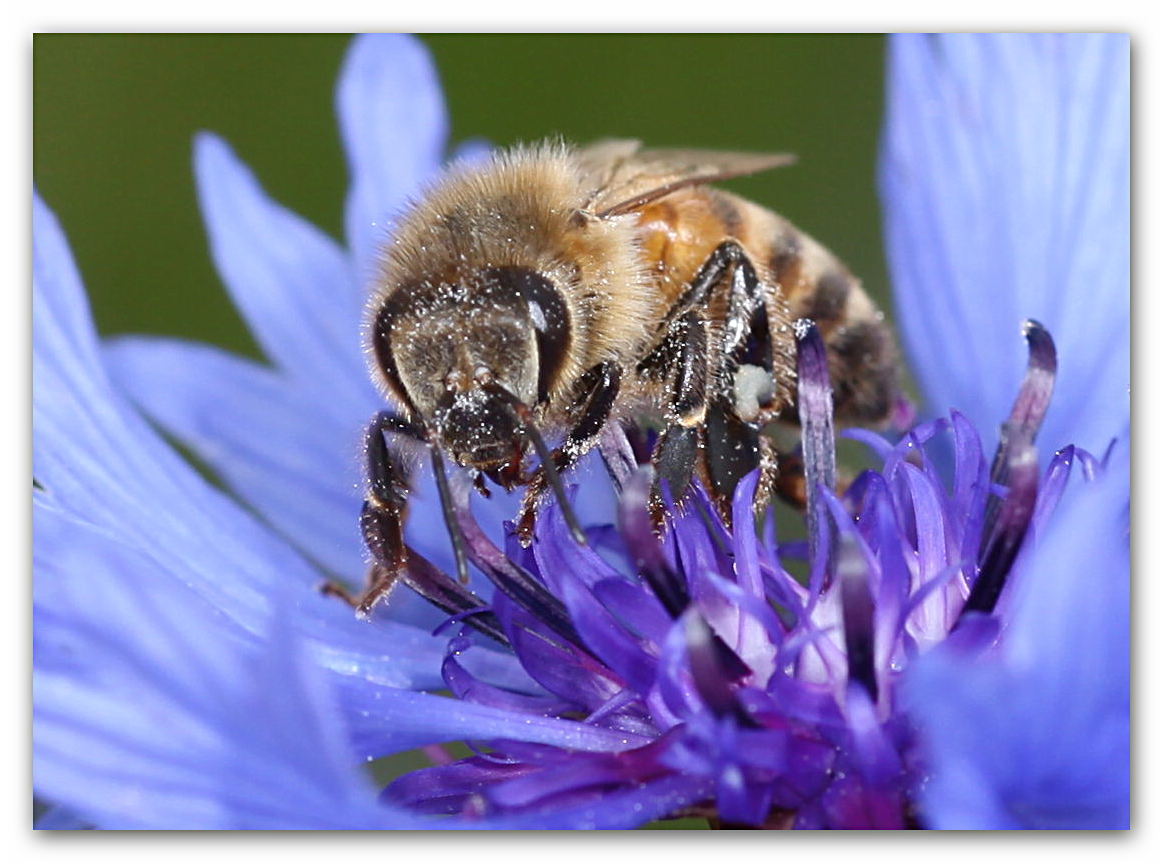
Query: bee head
{"type": "Point", "coordinates": [449, 350]}
{"type": "Point", "coordinates": [479, 428]}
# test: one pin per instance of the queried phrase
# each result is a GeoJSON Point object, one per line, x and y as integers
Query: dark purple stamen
{"type": "Point", "coordinates": [1009, 529]}
{"type": "Point", "coordinates": [714, 666]}
{"type": "Point", "coordinates": [1021, 428]}
{"type": "Point", "coordinates": [618, 455]}
{"type": "Point", "coordinates": [1015, 466]}
{"type": "Point", "coordinates": [815, 409]}
{"type": "Point", "coordinates": [449, 596]}
{"type": "Point", "coordinates": [458, 549]}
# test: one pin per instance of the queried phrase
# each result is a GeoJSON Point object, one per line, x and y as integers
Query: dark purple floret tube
{"type": "Point", "coordinates": [1027, 414]}
{"type": "Point", "coordinates": [510, 578]}
{"type": "Point", "coordinates": [1015, 466]}
{"type": "Point", "coordinates": [858, 614]}
{"type": "Point", "coordinates": [1009, 529]}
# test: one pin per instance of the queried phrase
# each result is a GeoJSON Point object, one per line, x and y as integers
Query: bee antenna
{"type": "Point", "coordinates": [450, 518]}
{"type": "Point", "coordinates": [525, 418]}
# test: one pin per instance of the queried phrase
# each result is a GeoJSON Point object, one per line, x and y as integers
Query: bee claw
{"type": "Point", "coordinates": [334, 588]}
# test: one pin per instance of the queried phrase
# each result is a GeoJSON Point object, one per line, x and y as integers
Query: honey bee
{"type": "Point", "coordinates": [562, 291]}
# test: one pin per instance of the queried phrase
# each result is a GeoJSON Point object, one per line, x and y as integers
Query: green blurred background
{"type": "Point", "coordinates": [114, 116]}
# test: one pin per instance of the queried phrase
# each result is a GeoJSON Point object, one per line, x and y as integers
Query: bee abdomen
{"type": "Point", "coordinates": [862, 353]}
{"type": "Point", "coordinates": [863, 360]}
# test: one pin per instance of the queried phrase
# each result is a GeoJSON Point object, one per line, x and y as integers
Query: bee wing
{"type": "Point", "coordinates": [626, 177]}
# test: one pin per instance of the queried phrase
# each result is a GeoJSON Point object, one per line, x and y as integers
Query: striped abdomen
{"type": "Point", "coordinates": [805, 280]}
{"type": "Point", "coordinates": [862, 352]}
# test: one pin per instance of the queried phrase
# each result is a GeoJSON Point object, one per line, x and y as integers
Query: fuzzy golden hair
{"type": "Point", "coordinates": [525, 207]}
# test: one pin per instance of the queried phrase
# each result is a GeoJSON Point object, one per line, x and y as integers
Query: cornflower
{"type": "Point", "coordinates": [929, 671]}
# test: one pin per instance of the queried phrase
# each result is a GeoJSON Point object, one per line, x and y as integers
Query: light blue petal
{"type": "Point", "coordinates": [104, 469]}
{"type": "Point", "coordinates": [99, 461]}
{"type": "Point", "coordinates": [394, 127]}
{"type": "Point", "coordinates": [292, 283]}
{"type": "Point", "coordinates": [169, 719]}
{"type": "Point", "coordinates": [295, 463]}
{"type": "Point", "coordinates": [1005, 183]}
{"type": "Point", "coordinates": [1038, 735]}
{"type": "Point", "coordinates": [386, 720]}
{"type": "Point", "coordinates": [473, 151]}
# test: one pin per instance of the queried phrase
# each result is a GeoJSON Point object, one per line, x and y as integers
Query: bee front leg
{"type": "Point", "coordinates": [599, 389]}
{"type": "Point", "coordinates": [384, 508]}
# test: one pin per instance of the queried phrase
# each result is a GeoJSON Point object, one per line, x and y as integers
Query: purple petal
{"type": "Point", "coordinates": [1037, 734]}
{"type": "Point", "coordinates": [618, 810]}
{"type": "Point", "coordinates": [635, 609]}
{"type": "Point", "coordinates": [464, 686]}
{"type": "Point", "coordinates": [617, 649]}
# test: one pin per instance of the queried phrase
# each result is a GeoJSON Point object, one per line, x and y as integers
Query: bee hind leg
{"type": "Point", "coordinates": [598, 391]}
{"type": "Point", "coordinates": [745, 393]}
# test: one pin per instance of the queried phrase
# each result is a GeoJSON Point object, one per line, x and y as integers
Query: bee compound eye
{"type": "Point", "coordinates": [550, 316]}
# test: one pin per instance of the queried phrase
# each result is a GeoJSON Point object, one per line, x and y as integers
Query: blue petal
{"type": "Point", "coordinates": [394, 127]}
{"type": "Point", "coordinates": [1005, 181]}
{"type": "Point", "coordinates": [295, 463]}
{"type": "Point", "coordinates": [99, 461]}
{"type": "Point", "coordinates": [101, 466]}
{"type": "Point", "coordinates": [166, 717]}
{"type": "Point", "coordinates": [384, 720]}
{"type": "Point", "coordinates": [1038, 735]}
{"type": "Point", "coordinates": [60, 818]}
{"type": "Point", "coordinates": [288, 451]}
{"type": "Point", "coordinates": [292, 283]}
